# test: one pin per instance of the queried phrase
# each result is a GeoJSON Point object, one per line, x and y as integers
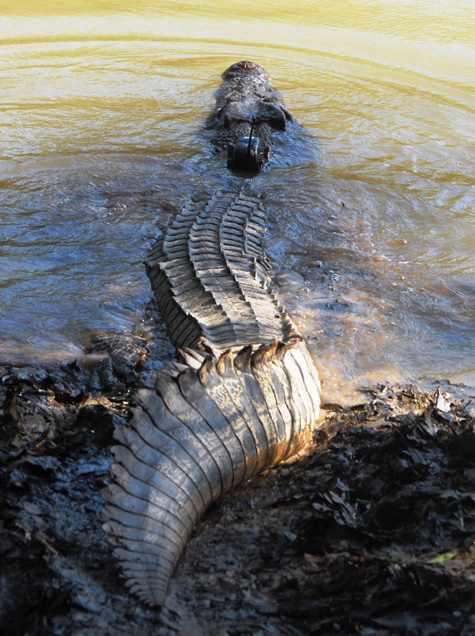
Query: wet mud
{"type": "Point", "coordinates": [371, 532]}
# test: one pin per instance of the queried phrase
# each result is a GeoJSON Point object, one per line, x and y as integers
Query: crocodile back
{"type": "Point", "coordinates": [212, 278]}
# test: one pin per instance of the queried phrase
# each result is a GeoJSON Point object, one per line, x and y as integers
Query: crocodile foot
{"type": "Point", "coordinates": [121, 358]}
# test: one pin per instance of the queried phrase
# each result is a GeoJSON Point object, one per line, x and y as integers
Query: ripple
{"type": "Point", "coordinates": [371, 205]}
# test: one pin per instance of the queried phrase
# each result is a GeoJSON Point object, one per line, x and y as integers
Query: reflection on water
{"type": "Point", "coordinates": [100, 106]}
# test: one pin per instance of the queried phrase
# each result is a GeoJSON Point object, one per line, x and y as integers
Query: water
{"type": "Point", "coordinates": [100, 105]}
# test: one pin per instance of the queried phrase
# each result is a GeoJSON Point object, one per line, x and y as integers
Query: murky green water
{"type": "Point", "coordinates": [100, 105]}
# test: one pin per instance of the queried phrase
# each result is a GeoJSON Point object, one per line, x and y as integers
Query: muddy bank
{"type": "Point", "coordinates": [370, 533]}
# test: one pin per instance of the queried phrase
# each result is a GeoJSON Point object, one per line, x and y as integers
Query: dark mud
{"type": "Point", "coordinates": [372, 532]}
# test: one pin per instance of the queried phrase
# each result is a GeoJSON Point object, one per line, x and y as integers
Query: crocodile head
{"type": "Point", "coordinates": [245, 68]}
{"type": "Point", "coordinates": [247, 113]}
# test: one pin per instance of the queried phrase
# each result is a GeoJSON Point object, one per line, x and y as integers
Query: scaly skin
{"type": "Point", "coordinates": [247, 400]}
{"type": "Point", "coordinates": [244, 396]}
{"type": "Point", "coordinates": [212, 278]}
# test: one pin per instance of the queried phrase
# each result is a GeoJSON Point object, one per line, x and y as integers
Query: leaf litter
{"type": "Point", "coordinates": [372, 532]}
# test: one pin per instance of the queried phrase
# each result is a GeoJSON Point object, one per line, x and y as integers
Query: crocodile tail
{"type": "Point", "coordinates": [206, 426]}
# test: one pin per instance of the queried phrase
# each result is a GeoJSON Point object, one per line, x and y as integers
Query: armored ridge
{"type": "Point", "coordinates": [212, 278]}
{"type": "Point", "coordinates": [247, 113]}
{"type": "Point", "coordinates": [215, 419]}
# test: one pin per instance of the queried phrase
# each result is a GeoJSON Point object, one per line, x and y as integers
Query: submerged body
{"type": "Point", "coordinates": [245, 397]}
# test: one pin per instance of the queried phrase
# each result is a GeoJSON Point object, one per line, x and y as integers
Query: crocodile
{"type": "Point", "coordinates": [247, 113]}
{"type": "Point", "coordinates": [241, 396]}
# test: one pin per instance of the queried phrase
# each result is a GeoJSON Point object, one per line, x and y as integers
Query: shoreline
{"type": "Point", "coordinates": [373, 527]}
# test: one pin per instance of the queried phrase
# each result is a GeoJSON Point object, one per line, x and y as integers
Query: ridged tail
{"type": "Point", "coordinates": [211, 422]}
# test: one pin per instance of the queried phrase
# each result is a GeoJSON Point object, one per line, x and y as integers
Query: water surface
{"type": "Point", "coordinates": [100, 106]}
